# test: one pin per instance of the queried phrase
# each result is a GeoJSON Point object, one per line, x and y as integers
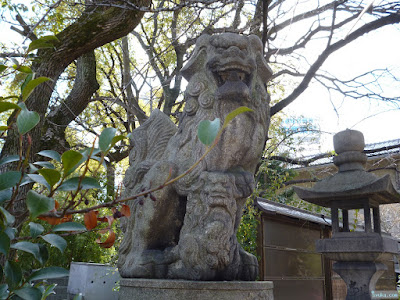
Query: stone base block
{"type": "Point", "coordinates": [151, 289]}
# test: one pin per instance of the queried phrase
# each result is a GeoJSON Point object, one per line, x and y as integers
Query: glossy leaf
{"type": "Point", "coordinates": [2, 68]}
{"type": "Point", "coordinates": [39, 179]}
{"type": "Point", "coordinates": [43, 42]}
{"type": "Point", "coordinates": [90, 219]}
{"type": "Point", "coordinates": [26, 119]}
{"type": "Point", "coordinates": [48, 273]}
{"type": "Point", "coordinates": [25, 180]}
{"type": "Point", "coordinates": [35, 229]}
{"type": "Point", "coordinates": [10, 219]}
{"type": "Point", "coordinates": [11, 231]}
{"type": "Point", "coordinates": [44, 164]}
{"type": "Point", "coordinates": [5, 195]}
{"type": "Point", "coordinates": [235, 113]}
{"type": "Point", "coordinates": [86, 183]}
{"type": "Point", "coordinates": [4, 243]}
{"type": "Point", "coordinates": [3, 291]}
{"type": "Point", "coordinates": [52, 176]}
{"type": "Point", "coordinates": [44, 253]}
{"type": "Point", "coordinates": [23, 69]}
{"type": "Point", "coordinates": [78, 297]}
{"type": "Point", "coordinates": [38, 204]}
{"type": "Point", "coordinates": [51, 220]}
{"type": "Point", "coordinates": [28, 78]}
{"type": "Point", "coordinates": [9, 179]}
{"type": "Point", "coordinates": [28, 247]}
{"type": "Point", "coordinates": [31, 85]}
{"type": "Point", "coordinates": [70, 159]}
{"type": "Point", "coordinates": [51, 154]}
{"type": "Point", "coordinates": [106, 138]}
{"type": "Point", "coordinates": [208, 130]}
{"type": "Point", "coordinates": [109, 242]}
{"type": "Point", "coordinates": [13, 273]}
{"type": "Point", "coordinates": [116, 139]}
{"type": "Point", "coordinates": [55, 240]}
{"type": "Point", "coordinates": [8, 159]}
{"type": "Point", "coordinates": [49, 290]}
{"type": "Point", "coordinates": [70, 226]}
{"type": "Point", "coordinates": [4, 106]}
{"type": "Point", "coordinates": [29, 293]}
{"type": "Point", "coordinates": [125, 210]}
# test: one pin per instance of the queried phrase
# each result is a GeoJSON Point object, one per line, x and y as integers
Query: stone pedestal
{"type": "Point", "coordinates": [150, 289]}
{"type": "Point", "coordinates": [360, 277]}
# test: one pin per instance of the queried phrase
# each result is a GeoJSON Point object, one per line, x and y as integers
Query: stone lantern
{"type": "Point", "coordinates": [358, 255]}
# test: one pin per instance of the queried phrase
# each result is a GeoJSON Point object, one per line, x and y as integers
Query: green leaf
{"type": "Point", "coordinates": [51, 154]}
{"type": "Point", "coordinates": [43, 42]}
{"type": "Point", "coordinates": [47, 273]}
{"type": "Point", "coordinates": [2, 68]}
{"type": "Point", "coordinates": [26, 180]}
{"type": "Point", "coordinates": [28, 78]}
{"type": "Point", "coordinates": [8, 159]}
{"type": "Point", "coordinates": [29, 293]}
{"type": "Point", "coordinates": [4, 243]}
{"type": "Point", "coordinates": [10, 219]}
{"type": "Point", "coordinates": [39, 179]}
{"type": "Point", "coordinates": [11, 231]}
{"type": "Point", "coordinates": [70, 159]}
{"type": "Point", "coordinates": [35, 229]}
{"type": "Point", "coordinates": [9, 179]}
{"type": "Point", "coordinates": [78, 297]}
{"type": "Point", "coordinates": [49, 290]}
{"type": "Point", "coordinates": [31, 85]}
{"type": "Point", "coordinates": [4, 106]}
{"type": "Point", "coordinates": [52, 176]}
{"type": "Point", "coordinates": [23, 69]}
{"type": "Point", "coordinates": [38, 204]}
{"type": "Point", "coordinates": [13, 273]}
{"type": "Point", "coordinates": [234, 113]}
{"type": "Point", "coordinates": [44, 254]}
{"type": "Point", "coordinates": [44, 164]}
{"type": "Point", "coordinates": [72, 184]}
{"type": "Point", "coordinates": [28, 247]}
{"type": "Point", "coordinates": [106, 138]}
{"type": "Point", "coordinates": [26, 119]}
{"type": "Point", "coordinates": [69, 226]}
{"type": "Point", "coordinates": [208, 130]}
{"type": "Point", "coordinates": [5, 195]}
{"type": "Point", "coordinates": [3, 291]}
{"type": "Point", "coordinates": [116, 139]}
{"type": "Point", "coordinates": [56, 241]}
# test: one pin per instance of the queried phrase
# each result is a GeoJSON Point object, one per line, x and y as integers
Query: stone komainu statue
{"type": "Point", "coordinates": [188, 229]}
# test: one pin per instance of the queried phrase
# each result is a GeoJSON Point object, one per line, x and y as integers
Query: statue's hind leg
{"type": "Point", "coordinates": [153, 228]}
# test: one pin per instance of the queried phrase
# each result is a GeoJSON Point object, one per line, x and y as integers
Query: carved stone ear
{"type": "Point", "coordinates": [264, 71]}
{"type": "Point", "coordinates": [198, 59]}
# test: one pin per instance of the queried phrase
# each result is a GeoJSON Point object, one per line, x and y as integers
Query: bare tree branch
{"type": "Point", "coordinates": [391, 19]}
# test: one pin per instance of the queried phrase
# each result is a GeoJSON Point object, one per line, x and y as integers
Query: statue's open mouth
{"type": "Point", "coordinates": [233, 83]}
{"type": "Point", "coordinates": [234, 73]}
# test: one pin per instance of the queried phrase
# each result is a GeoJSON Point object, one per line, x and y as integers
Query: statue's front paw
{"type": "Point", "coordinates": [248, 266]}
{"type": "Point", "coordinates": [244, 183]}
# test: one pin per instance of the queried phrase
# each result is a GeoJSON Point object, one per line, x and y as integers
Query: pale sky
{"type": "Point", "coordinates": [379, 49]}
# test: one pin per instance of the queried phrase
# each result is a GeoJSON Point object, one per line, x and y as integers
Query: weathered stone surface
{"type": "Point", "coordinates": [188, 229]}
{"type": "Point", "coordinates": [360, 278]}
{"type": "Point", "coordinates": [150, 289]}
